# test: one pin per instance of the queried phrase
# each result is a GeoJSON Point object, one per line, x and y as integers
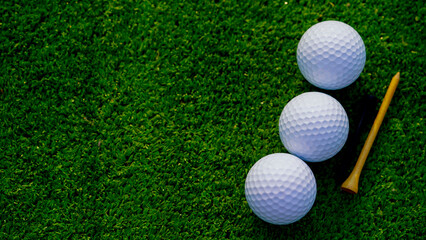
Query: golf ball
{"type": "Point", "coordinates": [331, 55]}
{"type": "Point", "coordinates": [280, 188]}
{"type": "Point", "coordinates": [313, 126]}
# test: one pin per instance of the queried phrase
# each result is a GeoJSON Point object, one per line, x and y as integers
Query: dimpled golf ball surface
{"type": "Point", "coordinates": [313, 126]}
{"type": "Point", "coordinates": [331, 55]}
{"type": "Point", "coordinates": [280, 188]}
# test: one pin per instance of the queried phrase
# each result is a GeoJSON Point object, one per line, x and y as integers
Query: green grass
{"type": "Point", "coordinates": [140, 119]}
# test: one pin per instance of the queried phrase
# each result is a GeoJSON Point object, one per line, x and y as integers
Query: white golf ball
{"type": "Point", "coordinates": [313, 126]}
{"type": "Point", "coordinates": [280, 188]}
{"type": "Point", "coordinates": [331, 55]}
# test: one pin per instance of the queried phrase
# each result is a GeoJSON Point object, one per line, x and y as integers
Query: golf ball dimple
{"type": "Point", "coordinates": [280, 188]}
{"type": "Point", "coordinates": [331, 55]}
{"type": "Point", "coordinates": [313, 126]}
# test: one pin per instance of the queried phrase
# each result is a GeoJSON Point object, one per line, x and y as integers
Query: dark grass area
{"type": "Point", "coordinates": [141, 119]}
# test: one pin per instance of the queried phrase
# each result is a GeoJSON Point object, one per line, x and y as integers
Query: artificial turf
{"type": "Point", "coordinates": [141, 119]}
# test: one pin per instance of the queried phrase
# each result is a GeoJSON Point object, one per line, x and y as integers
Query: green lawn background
{"type": "Point", "coordinates": [141, 119]}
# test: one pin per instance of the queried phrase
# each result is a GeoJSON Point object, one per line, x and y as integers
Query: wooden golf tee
{"type": "Point", "coordinates": [351, 183]}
